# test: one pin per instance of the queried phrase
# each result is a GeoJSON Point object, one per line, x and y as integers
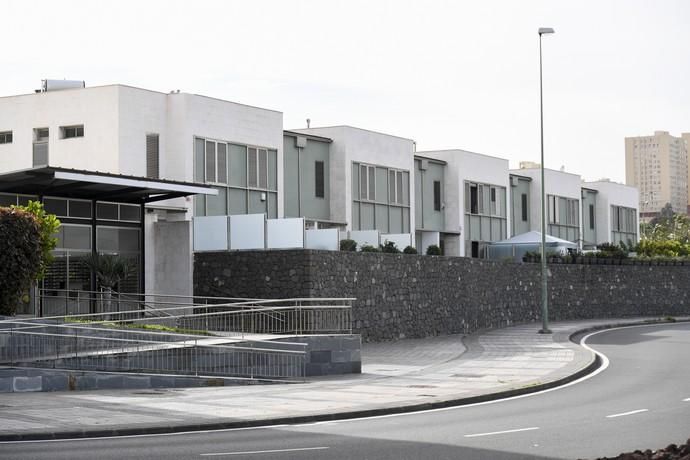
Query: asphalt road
{"type": "Point", "coordinates": [641, 400]}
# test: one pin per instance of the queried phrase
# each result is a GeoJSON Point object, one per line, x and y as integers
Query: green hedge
{"type": "Point", "coordinates": [21, 253]}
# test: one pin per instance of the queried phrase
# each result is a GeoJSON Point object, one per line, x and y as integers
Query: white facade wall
{"type": "Point", "coordinates": [558, 183]}
{"type": "Point", "coordinates": [465, 166]}
{"type": "Point", "coordinates": [612, 194]}
{"type": "Point", "coordinates": [360, 145]}
{"type": "Point", "coordinates": [95, 108]}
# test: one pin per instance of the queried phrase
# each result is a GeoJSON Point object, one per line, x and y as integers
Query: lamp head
{"type": "Point", "coordinates": [546, 30]}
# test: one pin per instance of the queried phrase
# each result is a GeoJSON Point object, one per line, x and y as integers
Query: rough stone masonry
{"type": "Point", "coordinates": [401, 295]}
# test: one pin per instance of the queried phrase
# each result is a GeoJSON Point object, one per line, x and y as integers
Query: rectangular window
{"type": "Point", "coordinates": [391, 186]}
{"type": "Point", "coordinates": [437, 195]}
{"type": "Point", "coordinates": [552, 209]}
{"type": "Point", "coordinates": [41, 134]}
{"type": "Point", "coordinates": [210, 161]}
{"type": "Point", "coordinates": [523, 206]}
{"type": "Point", "coordinates": [252, 167]}
{"type": "Point", "coordinates": [152, 160]}
{"type": "Point", "coordinates": [263, 169]}
{"type": "Point", "coordinates": [222, 169]}
{"type": "Point", "coordinates": [367, 182]}
{"type": "Point", "coordinates": [372, 183]}
{"type": "Point", "coordinates": [591, 217]}
{"type": "Point", "coordinates": [319, 180]}
{"type": "Point", "coordinates": [494, 202]}
{"type": "Point", "coordinates": [474, 208]}
{"type": "Point", "coordinates": [68, 132]}
{"type": "Point", "coordinates": [363, 187]}
{"type": "Point", "coordinates": [6, 137]}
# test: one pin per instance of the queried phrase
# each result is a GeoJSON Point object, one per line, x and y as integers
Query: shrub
{"type": "Point", "coordinates": [390, 248]}
{"type": "Point", "coordinates": [409, 250]}
{"type": "Point", "coordinates": [20, 255]}
{"type": "Point", "coordinates": [369, 248]}
{"type": "Point", "coordinates": [611, 251]}
{"type": "Point", "coordinates": [433, 250]}
{"type": "Point", "coordinates": [348, 245]}
{"type": "Point", "coordinates": [48, 225]}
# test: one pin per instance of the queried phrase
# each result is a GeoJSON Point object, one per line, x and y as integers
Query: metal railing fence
{"type": "Point", "coordinates": [175, 334]}
{"type": "Point", "coordinates": [28, 344]}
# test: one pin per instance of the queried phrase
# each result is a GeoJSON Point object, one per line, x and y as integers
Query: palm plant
{"type": "Point", "coordinates": [109, 271]}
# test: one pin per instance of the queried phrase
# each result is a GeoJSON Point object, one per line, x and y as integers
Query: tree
{"type": "Point", "coordinates": [48, 226]}
{"type": "Point", "coordinates": [20, 255]}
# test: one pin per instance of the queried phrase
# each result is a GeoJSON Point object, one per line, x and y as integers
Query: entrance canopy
{"type": "Point", "coordinates": [89, 185]}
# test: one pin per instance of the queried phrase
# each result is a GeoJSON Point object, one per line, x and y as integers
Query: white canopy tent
{"type": "Point", "coordinates": [518, 245]}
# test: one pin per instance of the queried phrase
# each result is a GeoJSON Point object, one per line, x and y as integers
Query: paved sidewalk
{"type": "Point", "coordinates": [396, 377]}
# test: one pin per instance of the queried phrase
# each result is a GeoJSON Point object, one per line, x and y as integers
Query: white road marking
{"type": "Point", "coordinates": [532, 428]}
{"type": "Point", "coordinates": [622, 414]}
{"type": "Point", "coordinates": [250, 452]}
{"type": "Point", "coordinates": [602, 368]}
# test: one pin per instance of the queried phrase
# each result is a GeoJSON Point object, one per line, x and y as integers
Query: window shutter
{"type": "Point", "coordinates": [152, 158]}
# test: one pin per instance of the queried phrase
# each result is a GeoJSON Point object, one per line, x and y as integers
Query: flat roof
{"type": "Point", "coordinates": [301, 130]}
{"type": "Point", "coordinates": [435, 160]}
{"type": "Point", "coordinates": [94, 185]}
{"type": "Point", "coordinates": [308, 136]}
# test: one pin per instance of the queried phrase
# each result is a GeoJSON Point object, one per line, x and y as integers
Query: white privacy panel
{"type": "Point", "coordinates": [247, 231]}
{"type": "Point", "coordinates": [285, 233]}
{"type": "Point", "coordinates": [323, 239]}
{"type": "Point", "coordinates": [401, 240]}
{"type": "Point", "coordinates": [211, 233]}
{"type": "Point", "coordinates": [365, 237]}
{"type": "Point", "coordinates": [428, 239]}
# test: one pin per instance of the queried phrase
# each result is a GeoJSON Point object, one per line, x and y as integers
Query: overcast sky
{"type": "Point", "coordinates": [455, 74]}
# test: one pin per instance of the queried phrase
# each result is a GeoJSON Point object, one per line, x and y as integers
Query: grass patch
{"type": "Point", "coordinates": [146, 327]}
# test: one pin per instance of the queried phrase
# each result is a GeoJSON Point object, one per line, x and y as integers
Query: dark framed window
{"type": "Point", "coordinates": [319, 180]}
{"type": "Point", "coordinates": [437, 195]}
{"type": "Point", "coordinates": [523, 206]}
{"type": "Point", "coordinates": [591, 216]}
{"type": "Point", "coordinates": [69, 132]}
{"type": "Point", "coordinates": [6, 137]}
{"type": "Point", "coordinates": [474, 201]}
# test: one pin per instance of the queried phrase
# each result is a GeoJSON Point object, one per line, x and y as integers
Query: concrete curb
{"type": "Point", "coordinates": [594, 364]}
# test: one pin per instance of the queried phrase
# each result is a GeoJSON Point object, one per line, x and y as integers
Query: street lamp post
{"type": "Point", "coordinates": [544, 285]}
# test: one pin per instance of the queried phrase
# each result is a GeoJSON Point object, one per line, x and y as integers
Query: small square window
{"type": "Point", "coordinates": [6, 137]}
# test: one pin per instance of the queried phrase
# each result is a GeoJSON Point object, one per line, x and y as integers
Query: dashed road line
{"type": "Point", "coordinates": [255, 452]}
{"type": "Point", "coordinates": [622, 414]}
{"type": "Point", "coordinates": [532, 428]}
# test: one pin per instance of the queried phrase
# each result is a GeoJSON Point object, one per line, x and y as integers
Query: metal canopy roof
{"type": "Point", "coordinates": [90, 185]}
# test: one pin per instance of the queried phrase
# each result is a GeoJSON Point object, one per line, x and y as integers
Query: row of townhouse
{"type": "Point", "coordinates": [127, 170]}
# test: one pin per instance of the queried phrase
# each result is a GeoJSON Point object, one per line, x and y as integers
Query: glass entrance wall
{"type": "Point", "coordinates": [68, 274]}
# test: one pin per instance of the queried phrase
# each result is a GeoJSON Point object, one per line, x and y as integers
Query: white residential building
{"type": "Point", "coordinates": [563, 201]}
{"type": "Point", "coordinates": [615, 212]}
{"type": "Point", "coordinates": [475, 201]}
{"type": "Point", "coordinates": [112, 131]}
{"type": "Point", "coordinates": [371, 185]}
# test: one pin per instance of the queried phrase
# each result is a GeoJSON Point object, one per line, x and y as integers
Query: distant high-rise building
{"type": "Point", "coordinates": [658, 166]}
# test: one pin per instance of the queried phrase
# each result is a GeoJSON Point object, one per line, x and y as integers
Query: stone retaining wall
{"type": "Point", "coordinates": [403, 295]}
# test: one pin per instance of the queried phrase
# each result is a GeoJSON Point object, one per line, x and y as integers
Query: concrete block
{"type": "Point", "coordinates": [55, 382]}
{"type": "Point", "coordinates": [22, 384]}
{"type": "Point", "coordinates": [6, 384]}
{"type": "Point", "coordinates": [320, 356]}
{"type": "Point", "coordinates": [136, 382]}
{"type": "Point", "coordinates": [109, 382]}
{"type": "Point", "coordinates": [86, 382]}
